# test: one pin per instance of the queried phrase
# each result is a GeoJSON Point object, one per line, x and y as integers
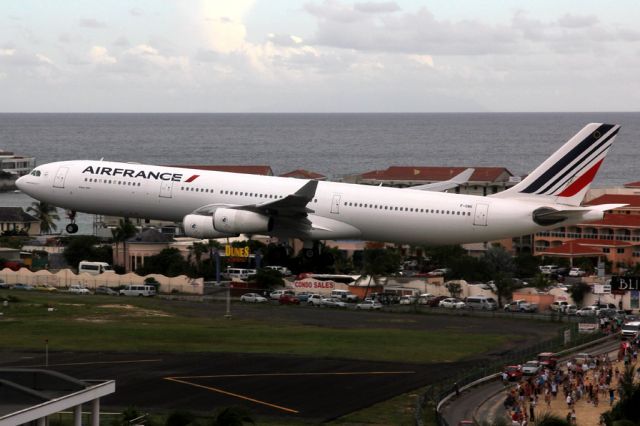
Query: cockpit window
{"type": "Point", "coordinates": [35, 173]}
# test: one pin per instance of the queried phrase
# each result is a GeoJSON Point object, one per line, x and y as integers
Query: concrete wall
{"type": "Point", "coordinates": [66, 277]}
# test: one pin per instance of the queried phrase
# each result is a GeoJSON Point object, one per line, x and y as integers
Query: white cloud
{"type": "Point", "coordinates": [423, 60]}
{"type": "Point", "coordinates": [44, 59]}
{"type": "Point", "coordinates": [92, 23]}
{"type": "Point", "coordinates": [100, 55]}
{"type": "Point", "coordinates": [224, 27]}
{"type": "Point", "coordinates": [377, 7]}
{"type": "Point", "coordinates": [7, 52]}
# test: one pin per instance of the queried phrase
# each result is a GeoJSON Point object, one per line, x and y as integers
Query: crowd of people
{"type": "Point", "coordinates": [583, 379]}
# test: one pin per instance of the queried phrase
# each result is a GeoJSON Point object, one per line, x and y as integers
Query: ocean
{"type": "Point", "coordinates": [331, 144]}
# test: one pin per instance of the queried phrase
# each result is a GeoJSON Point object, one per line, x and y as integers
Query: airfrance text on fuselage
{"type": "Point", "coordinates": [109, 171]}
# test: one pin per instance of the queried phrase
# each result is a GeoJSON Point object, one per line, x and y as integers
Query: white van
{"type": "Point", "coordinates": [240, 273]}
{"type": "Point", "coordinates": [94, 268]}
{"type": "Point", "coordinates": [344, 295]}
{"type": "Point", "coordinates": [481, 302]}
{"type": "Point", "coordinates": [138, 290]}
{"type": "Point", "coordinates": [630, 330]}
{"type": "Point", "coordinates": [282, 269]}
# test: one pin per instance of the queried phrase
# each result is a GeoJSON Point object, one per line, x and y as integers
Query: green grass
{"type": "Point", "coordinates": [83, 323]}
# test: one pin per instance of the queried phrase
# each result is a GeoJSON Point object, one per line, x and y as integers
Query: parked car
{"type": "Point", "coordinates": [630, 330]}
{"type": "Point", "coordinates": [288, 299]}
{"type": "Point", "coordinates": [424, 298]}
{"type": "Point", "coordinates": [303, 297]}
{"type": "Point", "coordinates": [548, 269]}
{"type": "Point", "coordinates": [107, 291]}
{"type": "Point", "coordinates": [138, 290]}
{"type": "Point", "coordinates": [20, 286]}
{"type": "Point", "coordinates": [252, 298]}
{"type": "Point", "coordinates": [435, 301]}
{"type": "Point", "coordinates": [407, 300]}
{"type": "Point", "coordinates": [332, 302]}
{"type": "Point", "coordinates": [531, 368]}
{"type": "Point", "coordinates": [4, 285]}
{"type": "Point", "coordinates": [369, 305]}
{"type": "Point", "coordinates": [548, 360]}
{"type": "Point", "coordinates": [577, 272]}
{"type": "Point", "coordinates": [481, 302]}
{"type": "Point", "coordinates": [520, 305]}
{"type": "Point", "coordinates": [275, 295]}
{"type": "Point", "coordinates": [439, 272]}
{"type": "Point", "coordinates": [344, 295]}
{"type": "Point", "coordinates": [587, 311]}
{"type": "Point", "coordinates": [514, 372]}
{"type": "Point", "coordinates": [559, 306]}
{"type": "Point", "coordinates": [571, 310]}
{"type": "Point", "coordinates": [78, 289]}
{"type": "Point", "coordinates": [452, 303]}
{"type": "Point", "coordinates": [282, 269]}
{"type": "Point", "coordinates": [314, 300]}
{"type": "Point", "coordinates": [46, 287]}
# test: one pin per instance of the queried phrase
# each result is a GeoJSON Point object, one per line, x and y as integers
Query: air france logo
{"type": "Point", "coordinates": [109, 171]}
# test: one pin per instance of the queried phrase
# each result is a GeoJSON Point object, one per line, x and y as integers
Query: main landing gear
{"type": "Point", "coordinates": [71, 228]}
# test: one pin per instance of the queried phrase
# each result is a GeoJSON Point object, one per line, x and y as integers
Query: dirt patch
{"type": "Point", "coordinates": [135, 311]}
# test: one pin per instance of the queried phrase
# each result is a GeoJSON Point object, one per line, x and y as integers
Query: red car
{"type": "Point", "coordinates": [287, 299]}
{"type": "Point", "coordinates": [514, 372]}
{"type": "Point", "coordinates": [548, 360]}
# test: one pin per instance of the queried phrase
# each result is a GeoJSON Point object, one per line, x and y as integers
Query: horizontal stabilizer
{"type": "Point", "coordinates": [452, 183]}
{"type": "Point", "coordinates": [547, 216]}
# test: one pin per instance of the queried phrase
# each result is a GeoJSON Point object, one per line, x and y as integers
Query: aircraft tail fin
{"type": "Point", "coordinates": [565, 177]}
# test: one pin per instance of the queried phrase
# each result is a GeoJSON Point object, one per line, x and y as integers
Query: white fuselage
{"type": "Point", "coordinates": [339, 210]}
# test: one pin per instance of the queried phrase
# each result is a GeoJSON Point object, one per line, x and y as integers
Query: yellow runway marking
{"type": "Point", "coordinates": [348, 373]}
{"type": "Point", "coordinates": [246, 398]}
{"type": "Point", "coordinates": [268, 404]}
{"type": "Point", "coordinates": [137, 361]}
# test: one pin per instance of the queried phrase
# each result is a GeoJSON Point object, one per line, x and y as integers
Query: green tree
{"type": "Point", "coordinates": [627, 409]}
{"type": "Point", "coordinates": [168, 262]}
{"type": "Point", "coordinates": [86, 247]}
{"type": "Point", "coordinates": [527, 265]}
{"type": "Point", "coordinates": [443, 256]}
{"type": "Point", "coordinates": [454, 288]}
{"type": "Point", "coordinates": [266, 278]}
{"type": "Point", "coordinates": [541, 281]}
{"type": "Point", "coordinates": [181, 418]}
{"type": "Point", "coordinates": [46, 214]}
{"type": "Point", "coordinates": [578, 291]}
{"type": "Point", "coordinates": [232, 416]}
{"type": "Point", "coordinates": [501, 267]}
{"type": "Point", "coordinates": [468, 268]}
{"type": "Point", "coordinates": [379, 262]}
{"type": "Point", "coordinates": [121, 234]}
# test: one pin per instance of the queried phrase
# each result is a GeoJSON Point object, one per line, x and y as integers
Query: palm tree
{"type": "Point", "coordinates": [232, 416]}
{"type": "Point", "coordinates": [121, 234]}
{"type": "Point", "coordinates": [46, 214]}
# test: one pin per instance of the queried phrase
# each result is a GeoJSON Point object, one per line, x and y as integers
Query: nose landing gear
{"type": "Point", "coordinates": [71, 228]}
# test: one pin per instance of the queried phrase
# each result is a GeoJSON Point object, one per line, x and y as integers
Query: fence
{"type": "Point", "coordinates": [438, 393]}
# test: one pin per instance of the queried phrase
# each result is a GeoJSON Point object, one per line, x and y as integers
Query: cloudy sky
{"type": "Point", "coordinates": [319, 56]}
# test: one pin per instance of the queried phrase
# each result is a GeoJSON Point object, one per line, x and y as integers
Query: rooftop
{"type": "Point", "coordinates": [250, 170]}
{"type": "Point", "coordinates": [437, 174]}
{"type": "Point", "coordinates": [15, 215]}
{"type": "Point", "coordinates": [633, 201]}
{"type": "Point", "coordinates": [150, 236]}
{"type": "Point", "coordinates": [304, 174]}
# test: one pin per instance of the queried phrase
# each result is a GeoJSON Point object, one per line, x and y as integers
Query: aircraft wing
{"type": "Point", "coordinates": [293, 205]}
{"type": "Point", "coordinates": [454, 182]}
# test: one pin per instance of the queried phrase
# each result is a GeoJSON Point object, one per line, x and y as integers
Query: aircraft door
{"type": "Point", "coordinates": [335, 204]}
{"type": "Point", "coordinates": [166, 186]}
{"type": "Point", "coordinates": [480, 218]}
{"type": "Point", "coordinates": [61, 175]}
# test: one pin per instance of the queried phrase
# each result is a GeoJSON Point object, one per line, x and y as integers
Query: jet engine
{"type": "Point", "coordinates": [201, 226]}
{"type": "Point", "coordinates": [235, 221]}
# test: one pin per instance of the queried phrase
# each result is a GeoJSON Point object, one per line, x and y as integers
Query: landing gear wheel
{"type": "Point", "coordinates": [72, 228]}
{"type": "Point", "coordinates": [309, 253]}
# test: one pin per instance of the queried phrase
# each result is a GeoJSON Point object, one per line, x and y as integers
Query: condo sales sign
{"type": "Point", "coordinates": [621, 285]}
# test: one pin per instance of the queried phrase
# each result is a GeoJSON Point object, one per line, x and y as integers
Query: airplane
{"type": "Point", "coordinates": [220, 204]}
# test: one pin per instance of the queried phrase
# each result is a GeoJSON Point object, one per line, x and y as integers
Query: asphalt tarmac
{"type": "Point", "coordinates": [306, 388]}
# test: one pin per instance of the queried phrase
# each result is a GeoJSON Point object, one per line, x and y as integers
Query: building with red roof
{"type": "Point", "coordinates": [616, 237]}
{"type": "Point", "coordinates": [304, 174]}
{"type": "Point", "coordinates": [250, 170]}
{"type": "Point", "coordinates": [483, 181]}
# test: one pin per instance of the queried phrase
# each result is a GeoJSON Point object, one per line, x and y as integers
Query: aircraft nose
{"type": "Point", "coordinates": [20, 183]}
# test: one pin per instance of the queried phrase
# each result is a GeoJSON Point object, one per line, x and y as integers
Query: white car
{"type": "Point", "coordinates": [587, 311]}
{"type": "Point", "coordinates": [252, 298]}
{"type": "Point", "coordinates": [330, 302]}
{"type": "Point", "coordinates": [369, 305]}
{"type": "Point", "coordinates": [577, 272]}
{"type": "Point", "coordinates": [451, 303]}
{"type": "Point", "coordinates": [315, 300]}
{"type": "Point", "coordinates": [531, 368]}
{"type": "Point", "coordinates": [78, 289]}
{"type": "Point", "coordinates": [275, 295]}
{"type": "Point", "coordinates": [559, 306]}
